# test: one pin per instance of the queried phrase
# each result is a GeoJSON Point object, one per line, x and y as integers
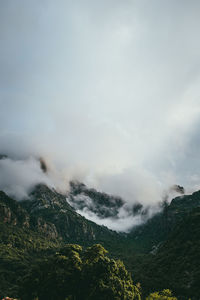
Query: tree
{"type": "Point", "coordinates": [105, 278]}
{"type": "Point", "coordinates": [163, 295]}
{"type": "Point", "coordinates": [79, 275]}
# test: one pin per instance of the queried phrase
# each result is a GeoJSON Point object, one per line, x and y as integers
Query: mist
{"type": "Point", "coordinates": [106, 93]}
{"type": "Point", "coordinates": [19, 177]}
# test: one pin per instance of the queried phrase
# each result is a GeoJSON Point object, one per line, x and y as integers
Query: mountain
{"type": "Point", "coordinates": [176, 264]}
{"type": "Point", "coordinates": [172, 245]}
{"type": "Point", "coordinates": [102, 205]}
{"type": "Point", "coordinates": [12, 212]}
{"type": "Point", "coordinates": [148, 236]}
{"type": "Point", "coordinates": [32, 229]}
{"type": "Point", "coordinates": [20, 244]}
{"type": "Point", "coordinates": [49, 211]}
{"type": "Point", "coordinates": [162, 253]}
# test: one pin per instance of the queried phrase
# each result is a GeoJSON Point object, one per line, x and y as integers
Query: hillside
{"type": "Point", "coordinates": [102, 204]}
{"type": "Point", "coordinates": [50, 212]}
{"type": "Point", "coordinates": [172, 242]}
{"type": "Point", "coordinates": [175, 265]}
{"type": "Point", "coordinates": [148, 236]}
{"type": "Point", "coordinates": [162, 253]}
{"type": "Point", "coordinates": [31, 229]}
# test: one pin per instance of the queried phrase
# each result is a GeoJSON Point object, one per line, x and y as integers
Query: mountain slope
{"type": "Point", "coordinates": [148, 236]}
{"type": "Point", "coordinates": [163, 253]}
{"type": "Point", "coordinates": [12, 212]}
{"type": "Point", "coordinates": [46, 205]}
{"type": "Point", "coordinates": [176, 263]}
{"type": "Point", "coordinates": [31, 228]}
{"type": "Point", "coordinates": [102, 205]}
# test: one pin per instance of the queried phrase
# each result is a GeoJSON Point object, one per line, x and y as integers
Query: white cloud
{"type": "Point", "coordinates": [107, 91]}
{"type": "Point", "coordinates": [18, 177]}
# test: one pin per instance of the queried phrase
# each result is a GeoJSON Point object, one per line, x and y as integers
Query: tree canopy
{"type": "Point", "coordinates": [74, 273]}
{"type": "Point", "coordinates": [163, 295]}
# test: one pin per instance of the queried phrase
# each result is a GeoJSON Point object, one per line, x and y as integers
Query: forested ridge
{"type": "Point", "coordinates": [48, 251]}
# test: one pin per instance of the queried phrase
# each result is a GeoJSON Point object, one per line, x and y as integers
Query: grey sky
{"type": "Point", "coordinates": [107, 91]}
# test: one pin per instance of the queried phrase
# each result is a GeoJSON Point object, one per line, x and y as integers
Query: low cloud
{"type": "Point", "coordinates": [122, 224]}
{"type": "Point", "coordinates": [105, 92]}
{"type": "Point", "coordinates": [19, 177]}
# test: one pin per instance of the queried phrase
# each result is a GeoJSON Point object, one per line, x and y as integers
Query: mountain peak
{"type": "Point", "coordinates": [43, 197]}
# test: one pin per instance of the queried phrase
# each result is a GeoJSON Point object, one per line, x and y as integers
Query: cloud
{"type": "Point", "coordinates": [106, 92]}
{"type": "Point", "coordinates": [122, 224]}
{"type": "Point", "coordinates": [18, 177]}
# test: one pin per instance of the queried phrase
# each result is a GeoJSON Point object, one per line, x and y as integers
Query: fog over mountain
{"type": "Point", "coordinates": [107, 92]}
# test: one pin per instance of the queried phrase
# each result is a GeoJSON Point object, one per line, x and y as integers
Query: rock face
{"type": "Point", "coordinates": [46, 228]}
{"type": "Point", "coordinates": [42, 197]}
{"type": "Point", "coordinates": [11, 211]}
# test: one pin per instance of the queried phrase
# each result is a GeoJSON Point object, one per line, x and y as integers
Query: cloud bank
{"type": "Point", "coordinates": [107, 92]}
{"type": "Point", "coordinates": [18, 177]}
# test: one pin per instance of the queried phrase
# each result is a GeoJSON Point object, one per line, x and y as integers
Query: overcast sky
{"type": "Point", "coordinates": [107, 91]}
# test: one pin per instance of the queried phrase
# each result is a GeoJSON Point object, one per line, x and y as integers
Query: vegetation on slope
{"type": "Point", "coordinates": [20, 248]}
{"type": "Point", "coordinates": [176, 264]}
{"type": "Point", "coordinates": [33, 234]}
{"type": "Point", "coordinates": [74, 273]}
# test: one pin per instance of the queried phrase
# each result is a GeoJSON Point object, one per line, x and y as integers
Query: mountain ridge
{"type": "Point", "coordinates": [45, 222]}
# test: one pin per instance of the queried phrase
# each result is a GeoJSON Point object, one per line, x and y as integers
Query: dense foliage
{"type": "Point", "coordinates": [163, 295]}
{"type": "Point", "coordinates": [74, 273]}
{"type": "Point", "coordinates": [176, 263]}
{"type": "Point", "coordinates": [20, 248]}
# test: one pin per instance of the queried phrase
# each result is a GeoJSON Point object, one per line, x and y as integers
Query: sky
{"type": "Point", "coordinates": [107, 92]}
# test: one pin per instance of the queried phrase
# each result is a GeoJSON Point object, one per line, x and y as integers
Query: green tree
{"type": "Point", "coordinates": [79, 275]}
{"type": "Point", "coordinates": [55, 277]}
{"type": "Point", "coordinates": [105, 278]}
{"type": "Point", "coordinates": [163, 295]}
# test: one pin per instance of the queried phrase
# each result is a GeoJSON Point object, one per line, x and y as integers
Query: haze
{"type": "Point", "coordinates": [107, 92]}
